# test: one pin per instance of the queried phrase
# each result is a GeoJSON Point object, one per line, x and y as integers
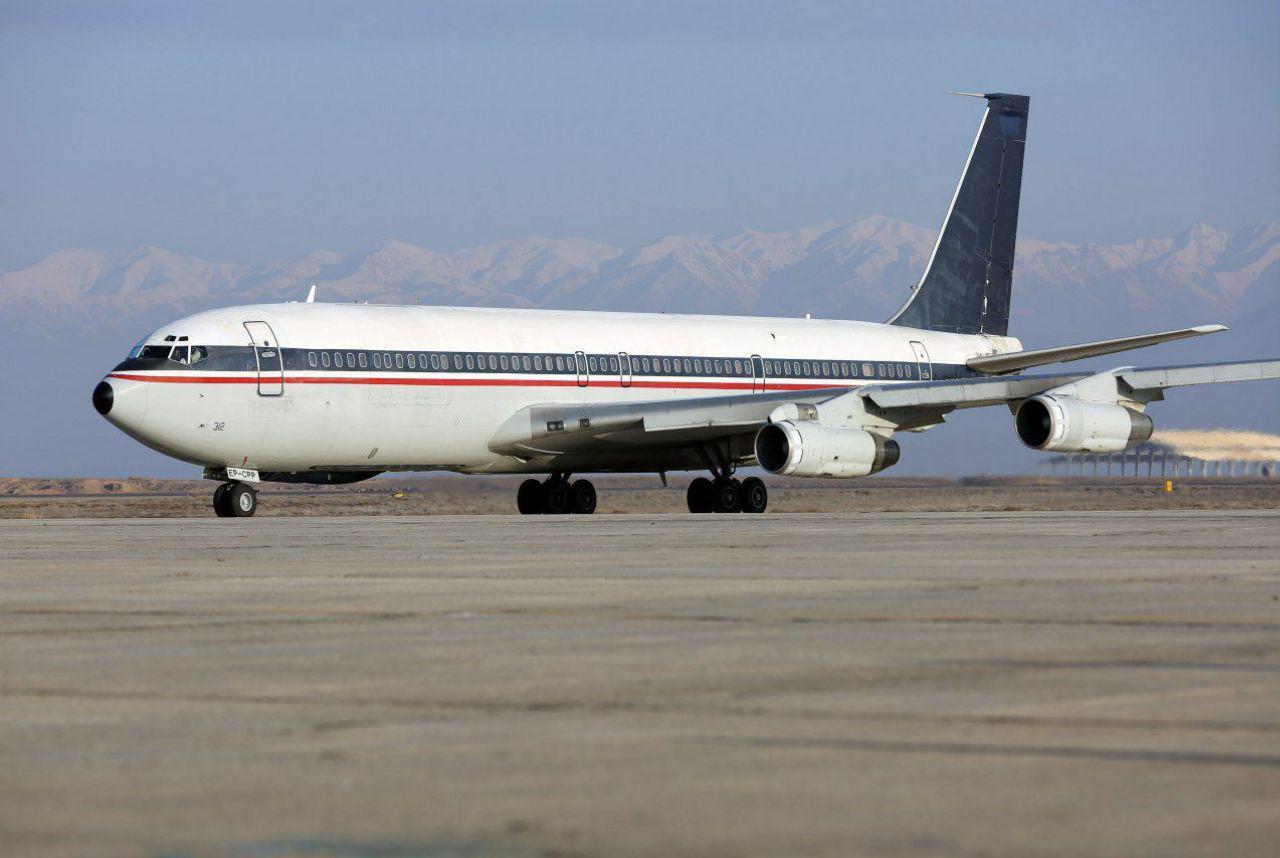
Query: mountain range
{"type": "Point", "coordinates": [95, 303]}
{"type": "Point", "coordinates": [858, 269]}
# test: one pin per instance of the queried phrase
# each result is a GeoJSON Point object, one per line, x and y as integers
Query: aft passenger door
{"type": "Point", "coordinates": [924, 367]}
{"type": "Point", "coordinates": [269, 357]}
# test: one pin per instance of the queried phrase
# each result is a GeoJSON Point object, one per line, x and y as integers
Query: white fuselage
{"type": "Point", "coordinates": [422, 388]}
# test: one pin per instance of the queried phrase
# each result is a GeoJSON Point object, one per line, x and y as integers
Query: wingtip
{"type": "Point", "coordinates": [1210, 329]}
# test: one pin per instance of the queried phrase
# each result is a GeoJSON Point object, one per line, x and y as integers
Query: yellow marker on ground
{"type": "Point", "coordinates": [1168, 485]}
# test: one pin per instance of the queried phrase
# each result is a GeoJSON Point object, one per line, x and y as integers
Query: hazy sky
{"type": "Point", "coordinates": [260, 131]}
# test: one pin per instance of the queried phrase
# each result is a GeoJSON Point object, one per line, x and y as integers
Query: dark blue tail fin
{"type": "Point", "coordinates": [965, 287]}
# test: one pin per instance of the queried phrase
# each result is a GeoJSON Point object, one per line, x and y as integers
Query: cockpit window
{"type": "Point", "coordinates": [179, 353]}
{"type": "Point", "coordinates": [161, 352]}
{"type": "Point", "coordinates": [198, 353]}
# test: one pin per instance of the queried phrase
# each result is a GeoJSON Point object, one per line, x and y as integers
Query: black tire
{"type": "Point", "coordinates": [242, 500]}
{"type": "Point", "coordinates": [701, 495]}
{"type": "Point", "coordinates": [582, 497]}
{"type": "Point", "coordinates": [727, 496]}
{"type": "Point", "coordinates": [221, 508]}
{"type": "Point", "coordinates": [555, 497]}
{"type": "Point", "coordinates": [755, 495]}
{"type": "Point", "coordinates": [529, 498]}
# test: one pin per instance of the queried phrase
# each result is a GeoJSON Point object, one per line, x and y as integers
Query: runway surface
{"type": "Point", "coordinates": [895, 683]}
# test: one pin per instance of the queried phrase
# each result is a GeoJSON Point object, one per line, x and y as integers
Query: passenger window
{"type": "Point", "coordinates": [311, 358]}
{"type": "Point", "coordinates": [422, 361]}
{"type": "Point", "coordinates": [493, 362]}
{"type": "Point", "coordinates": [737, 367]}
{"type": "Point", "coordinates": [688, 366]}
{"type": "Point", "coordinates": [537, 362]}
{"type": "Point", "coordinates": [804, 368]}
{"type": "Point", "coordinates": [504, 362]}
{"type": "Point", "coordinates": [666, 366]}
{"type": "Point", "coordinates": [526, 363]}
{"type": "Point", "coordinates": [399, 360]}
{"type": "Point", "coordinates": [591, 362]}
{"type": "Point", "coordinates": [363, 361]}
{"type": "Point", "coordinates": [324, 359]}
{"type": "Point", "coordinates": [559, 363]}
{"type": "Point", "coordinates": [471, 361]}
{"type": "Point", "coordinates": [386, 360]}
{"type": "Point", "coordinates": [435, 361]}
{"type": "Point", "coordinates": [613, 364]}
{"type": "Point", "coordinates": [337, 359]}
{"type": "Point", "coordinates": [377, 361]}
{"type": "Point", "coordinates": [413, 361]}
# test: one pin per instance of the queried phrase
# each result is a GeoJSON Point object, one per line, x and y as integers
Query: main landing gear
{"type": "Point", "coordinates": [556, 496]}
{"type": "Point", "coordinates": [235, 500]}
{"type": "Point", "coordinates": [725, 493]}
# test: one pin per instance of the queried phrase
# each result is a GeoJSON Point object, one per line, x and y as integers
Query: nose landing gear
{"type": "Point", "coordinates": [556, 496]}
{"type": "Point", "coordinates": [234, 500]}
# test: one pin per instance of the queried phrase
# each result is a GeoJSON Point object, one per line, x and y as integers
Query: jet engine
{"type": "Point", "coordinates": [809, 449]}
{"type": "Point", "coordinates": [1065, 424]}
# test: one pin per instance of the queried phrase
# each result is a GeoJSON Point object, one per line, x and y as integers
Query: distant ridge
{"type": "Point", "coordinates": [859, 269]}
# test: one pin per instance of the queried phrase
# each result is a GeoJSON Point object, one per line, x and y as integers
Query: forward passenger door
{"type": "Point", "coordinates": [269, 358]}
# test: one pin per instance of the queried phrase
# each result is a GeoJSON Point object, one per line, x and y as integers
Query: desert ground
{"type": "Point", "coordinates": [922, 682]}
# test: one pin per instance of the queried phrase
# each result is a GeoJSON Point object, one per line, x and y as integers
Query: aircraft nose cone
{"type": "Point", "coordinates": [103, 398]}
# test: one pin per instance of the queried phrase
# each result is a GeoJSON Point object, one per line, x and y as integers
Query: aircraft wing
{"type": "Point", "coordinates": [1014, 361]}
{"type": "Point", "coordinates": [555, 429]}
{"type": "Point", "coordinates": [563, 428]}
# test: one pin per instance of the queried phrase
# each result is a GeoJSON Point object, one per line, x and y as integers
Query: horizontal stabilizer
{"type": "Point", "coordinates": [1014, 361]}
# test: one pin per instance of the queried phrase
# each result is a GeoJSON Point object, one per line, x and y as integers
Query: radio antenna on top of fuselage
{"type": "Point", "coordinates": [311, 294]}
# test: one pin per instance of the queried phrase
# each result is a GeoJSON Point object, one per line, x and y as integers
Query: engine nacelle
{"type": "Point", "coordinates": [1064, 424]}
{"type": "Point", "coordinates": [808, 449]}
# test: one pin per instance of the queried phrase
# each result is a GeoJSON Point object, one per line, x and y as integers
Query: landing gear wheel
{"type": "Point", "coordinates": [529, 498]}
{"type": "Point", "coordinates": [221, 508]}
{"type": "Point", "coordinates": [555, 497]}
{"type": "Point", "coordinates": [701, 495]}
{"type": "Point", "coordinates": [727, 496]}
{"type": "Point", "coordinates": [242, 500]}
{"type": "Point", "coordinates": [755, 497]}
{"type": "Point", "coordinates": [582, 497]}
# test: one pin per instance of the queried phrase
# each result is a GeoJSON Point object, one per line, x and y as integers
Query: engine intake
{"type": "Point", "coordinates": [809, 449]}
{"type": "Point", "coordinates": [1064, 424]}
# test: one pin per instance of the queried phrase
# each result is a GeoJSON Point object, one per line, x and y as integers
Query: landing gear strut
{"type": "Point", "coordinates": [556, 496]}
{"type": "Point", "coordinates": [235, 500]}
{"type": "Point", "coordinates": [725, 493]}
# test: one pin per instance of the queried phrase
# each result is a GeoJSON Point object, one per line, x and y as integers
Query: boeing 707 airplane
{"type": "Point", "coordinates": [335, 393]}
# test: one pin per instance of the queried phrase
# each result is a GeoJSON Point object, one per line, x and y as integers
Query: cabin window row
{"type": "Point", "coordinates": [641, 365]}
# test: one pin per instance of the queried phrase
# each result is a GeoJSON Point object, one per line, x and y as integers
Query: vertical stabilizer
{"type": "Point", "coordinates": [966, 285]}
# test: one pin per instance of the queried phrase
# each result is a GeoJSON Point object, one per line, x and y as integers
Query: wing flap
{"type": "Point", "coordinates": [1160, 377]}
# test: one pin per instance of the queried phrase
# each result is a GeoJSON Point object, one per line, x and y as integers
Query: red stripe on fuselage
{"type": "Point", "coordinates": [462, 382]}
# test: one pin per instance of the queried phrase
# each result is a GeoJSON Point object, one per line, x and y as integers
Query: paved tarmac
{"type": "Point", "coordinates": [942, 683]}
